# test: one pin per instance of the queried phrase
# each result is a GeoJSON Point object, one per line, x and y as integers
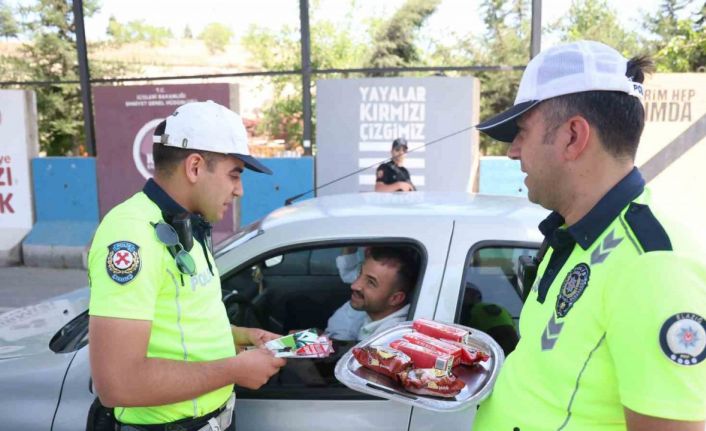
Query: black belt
{"type": "Point", "coordinates": [180, 425]}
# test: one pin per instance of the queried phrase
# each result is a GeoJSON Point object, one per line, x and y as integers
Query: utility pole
{"type": "Point", "coordinates": [306, 72]}
{"type": "Point", "coordinates": [85, 77]}
{"type": "Point", "coordinates": [536, 36]}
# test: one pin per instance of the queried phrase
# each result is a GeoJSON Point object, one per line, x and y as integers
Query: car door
{"type": "Point", "coordinates": [496, 246]}
{"type": "Point", "coordinates": [287, 404]}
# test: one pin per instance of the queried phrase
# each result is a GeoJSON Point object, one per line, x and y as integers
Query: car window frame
{"type": "Point", "coordinates": [468, 261]}
{"type": "Point", "coordinates": [340, 243]}
{"type": "Point", "coordinates": [312, 393]}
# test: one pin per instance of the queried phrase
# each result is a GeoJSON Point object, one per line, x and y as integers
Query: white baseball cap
{"type": "Point", "coordinates": [209, 126]}
{"type": "Point", "coordinates": [563, 69]}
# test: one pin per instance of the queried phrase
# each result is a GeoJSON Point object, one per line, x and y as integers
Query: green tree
{"type": "Point", "coordinates": [116, 31]}
{"type": "Point", "coordinates": [685, 52]}
{"type": "Point", "coordinates": [50, 55]}
{"type": "Point", "coordinates": [331, 47]}
{"type": "Point", "coordinates": [137, 31]}
{"type": "Point", "coordinates": [8, 25]}
{"type": "Point", "coordinates": [394, 42]}
{"type": "Point", "coordinates": [680, 44]}
{"type": "Point", "coordinates": [596, 20]}
{"type": "Point", "coordinates": [664, 23]}
{"type": "Point", "coordinates": [505, 43]}
{"type": "Point", "coordinates": [216, 36]}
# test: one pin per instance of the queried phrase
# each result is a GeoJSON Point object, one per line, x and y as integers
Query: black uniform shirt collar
{"type": "Point", "coordinates": [589, 228]}
{"type": "Point", "coordinates": [161, 198]}
{"type": "Point", "coordinates": [200, 227]}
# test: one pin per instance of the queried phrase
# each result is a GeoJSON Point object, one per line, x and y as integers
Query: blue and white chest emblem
{"type": "Point", "coordinates": [123, 261]}
{"type": "Point", "coordinates": [572, 288]}
{"type": "Point", "coordinates": [683, 338]}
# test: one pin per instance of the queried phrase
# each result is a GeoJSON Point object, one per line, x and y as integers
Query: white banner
{"type": "Point", "coordinates": [358, 119]}
{"type": "Point", "coordinates": [18, 145]}
{"type": "Point", "coordinates": [672, 149]}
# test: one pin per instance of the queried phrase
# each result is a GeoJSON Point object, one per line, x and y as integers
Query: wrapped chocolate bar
{"type": "Point", "coordinates": [441, 330]}
{"type": "Point", "coordinates": [432, 382]}
{"type": "Point", "coordinates": [435, 344]}
{"type": "Point", "coordinates": [470, 355]}
{"type": "Point", "coordinates": [423, 357]}
{"type": "Point", "coordinates": [383, 360]}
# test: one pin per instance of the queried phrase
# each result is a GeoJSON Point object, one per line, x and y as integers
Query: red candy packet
{"type": "Point", "coordinates": [435, 344]}
{"type": "Point", "coordinates": [441, 331]}
{"type": "Point", "coordinates": [431, 382]}
{"type": "Point", "coordinates": [423, 357]}
{"type": "Point", "coordinates": [383, 360]}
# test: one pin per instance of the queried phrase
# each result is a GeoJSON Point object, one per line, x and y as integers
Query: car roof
{"type": "Point", "coordinates": [454, 205]}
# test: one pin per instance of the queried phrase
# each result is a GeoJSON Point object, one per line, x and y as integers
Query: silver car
{"type": "Point", "coordinates": [280, 274]}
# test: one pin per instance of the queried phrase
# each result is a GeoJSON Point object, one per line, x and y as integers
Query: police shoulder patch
{"type": "Point", "coordinates": [572, 288]}
{"type": "Point", "coordinates": [683, 338]}
{"type": "Point", "coordinates": [123, 261]}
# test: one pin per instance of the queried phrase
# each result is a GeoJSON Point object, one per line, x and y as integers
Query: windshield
{"type": "Point", "coordinates": [241, 236]}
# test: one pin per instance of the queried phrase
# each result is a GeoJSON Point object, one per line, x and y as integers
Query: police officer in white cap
{"type": "Point", "coordinates": [163, 353]}
{"type": "Point", "coordinates": [609, 329]}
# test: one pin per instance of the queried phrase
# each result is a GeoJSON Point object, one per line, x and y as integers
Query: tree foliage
{"type": "Point", "coordinates": [216, 36]}
{"type": "Point", "coordinates": [8, 24]}
{"type": "Point", "coordinates": [680, 44]}
{"type": "Point", "coordinates": [596, 20]}
{"type": "Point", "coordinates": [504, 42]}
{"type": "Point", "coordinates": [137, 31]}
{"type": "Point", "coordinates": [331, 47]}
{"type": "Point", "coordinates": [394, 42]}
{"type": "Point", "coordinates": [49, 55]}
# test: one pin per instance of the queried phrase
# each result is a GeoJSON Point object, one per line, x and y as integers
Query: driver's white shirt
{"type": "Point", "coordinates": [371, 327]}
{"type": "Point", "coordinates": [349, 324]}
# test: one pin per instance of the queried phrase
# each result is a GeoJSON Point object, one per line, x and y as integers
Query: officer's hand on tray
{"type": "Point", "coordinates": [253, 368]}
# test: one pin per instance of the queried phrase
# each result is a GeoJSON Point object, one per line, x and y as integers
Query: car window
{"type": "Point", "coordinates": [491, 297]}
{"type": "Point", "coordinates": [290, 290]}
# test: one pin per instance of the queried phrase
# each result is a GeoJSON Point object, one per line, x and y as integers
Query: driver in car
{"type": "Point", "coordinates": [380, 294]}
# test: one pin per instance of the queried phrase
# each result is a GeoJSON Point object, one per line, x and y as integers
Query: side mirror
{"type": "Point", "coordinates": [273, 261]}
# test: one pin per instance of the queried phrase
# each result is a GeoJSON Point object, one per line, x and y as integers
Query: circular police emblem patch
{"type": "Point", "coordinates": [572, 288]}
{"type": "Point", "coordinates": [683, 338]}
{"type": "Point", "coordinates": [123, 261]}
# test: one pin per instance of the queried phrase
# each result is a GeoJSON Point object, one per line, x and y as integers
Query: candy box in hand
{"type": "Point", "coordinates": [303, 344]}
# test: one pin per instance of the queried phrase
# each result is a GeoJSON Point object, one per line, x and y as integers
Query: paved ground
{"type": "Point", "coordinates": [20, 286]}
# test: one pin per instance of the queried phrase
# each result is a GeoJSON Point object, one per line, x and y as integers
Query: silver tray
{"type": "Point", "coordinates": [479, 378]}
